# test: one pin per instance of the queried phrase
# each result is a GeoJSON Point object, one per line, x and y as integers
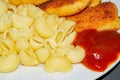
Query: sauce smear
{"type": "Point", "coordinates": [102, 48]}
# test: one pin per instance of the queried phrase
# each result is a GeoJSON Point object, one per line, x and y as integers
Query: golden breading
{"type": "Point", "coordinates": [64, 7]}
{"type": "Point", "coordinates": [101, 17]}
{"type": "Point", "coordinates": [94, 3]}
{"type": "Point", "coordinates": [19, 2]}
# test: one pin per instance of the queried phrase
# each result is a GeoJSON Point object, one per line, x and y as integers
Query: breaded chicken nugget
{"type": "Point", "coordinates": [64, 7]}
{"type": "Point", "coordinates": [35, 2]}
{"type": "Point", "coordinates": [101, 17]}
{"type": "Point", "coordinates": [94, 3]}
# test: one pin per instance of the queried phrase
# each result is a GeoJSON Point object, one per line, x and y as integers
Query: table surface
{"type": "Point", "coordinates": [113, 74]}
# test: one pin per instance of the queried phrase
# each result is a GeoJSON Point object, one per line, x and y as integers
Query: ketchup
{"type": "Point", "coordinates": [102, 48]}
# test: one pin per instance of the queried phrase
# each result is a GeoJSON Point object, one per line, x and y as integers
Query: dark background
{"type": "Point", "coordinates": [113, 74]}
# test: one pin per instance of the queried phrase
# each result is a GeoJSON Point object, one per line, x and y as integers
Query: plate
{"type": "Point", "coordinates": [38, 73]}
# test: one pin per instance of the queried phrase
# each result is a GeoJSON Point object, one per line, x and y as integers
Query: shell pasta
{"type": "Point", "coordinates": [30, 36]}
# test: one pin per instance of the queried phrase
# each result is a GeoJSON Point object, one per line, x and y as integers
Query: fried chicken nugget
{"type": "Point", "coordinates": [101, 17]}
{"type": "Point", "coordinates": [94, 3]}
{"type": "Point", "coordinates": [19, 2]}
{"type": "Point", "coordinates": [64, 7]}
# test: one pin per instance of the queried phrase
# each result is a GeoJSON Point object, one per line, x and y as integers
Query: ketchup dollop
{"type": "Point", "coordinates": [102, 48]}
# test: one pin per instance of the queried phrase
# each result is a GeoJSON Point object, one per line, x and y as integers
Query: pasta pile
{"type": "Point", "coordinates": [29, 36]}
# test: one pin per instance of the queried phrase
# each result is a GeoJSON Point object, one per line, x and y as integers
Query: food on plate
{"type": "Point", "coordinates": [7, 45]}
{"type": "Point", "coordinates": [3, 7]}
{"type": "Point", "coordinates": [19, 2]}
{"type": "Point", "coordinates": [22, 44]}
{"type": "Point", "coordinates": [41, 21]}
{"type": "Point", "coordinates": [76, 54]}
{"type": "Point", "coordinates": [94, 3]}
{"type": "Point", "coordinates": [58, 63]}
{"type": "Point", "coordinates": [8, 55]}
{"type": "Point", "coordinates": [5, 22]}
{"type": "Point", "coordinates": [43, 54]}
{"type": "Point", "coordinates": [64, 7]}
{"type": "Point", "coordinates": [36, 42]}
{"type": "Point", "coordinates": [28, 58]}
{"type": "Point", "coordinates": [30, 36]}
{"type": "Point", "coordinates": [20, 21]}
{"type": "Point", "coordinates": [15, 34]}
{"type": "Point", "coordinates": [101, 17]}
{"type": "Point", "coordinates": [102, 48]}
{"type": "Point", "coordinates": [8, 62]}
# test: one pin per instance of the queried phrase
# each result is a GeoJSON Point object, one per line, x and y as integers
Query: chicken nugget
{"type": "Point", "coordinates": [101, 17]}
{"type": "Point", "coordinates": [64, 7]}
{"type": "Point", "coordinates": [94, 3]}
{"type": "Point", "coordinates": [19, 2]}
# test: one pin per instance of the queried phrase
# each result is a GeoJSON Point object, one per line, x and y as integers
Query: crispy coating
{"type": "Point", "coordinates": [101, 17]}
{"type": "Point", "coordinates": [64, 7]}
{"type": "Point", "coordinates": [94, 3]}
{"type": "Point", "coordinates": [19, 2]}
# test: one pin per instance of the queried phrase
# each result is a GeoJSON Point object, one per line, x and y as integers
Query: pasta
{"type": "Point", "coordinates": [22, 10]}
{"type": "Point", "coordinates": [36, 42]}
{"type": "Point", "coordinates": [42, 28]}
{"type": "Point", "coordinates": [14, 34]}
{"type": "Point", "coordinates": [76, 54]}
{"type": "Point", "coordinates": [53, 21]}
{"type": "Point", "coordinates": [68, 26]}
{"type": "Point", "coordinates": [8, 46]}
{"type": "Point", "coordinates": [36, 37]}
{"type": "Point", "coordinates": [28, 58]}
{"type": "Point", "coordinates": [62, 51]}
{"type": "Point", "coordinates": [22, 44]}
{"type": "Point", "coordinates": [5, 22]}
{"type": "Point", "coordinates": [20, 22]}
{"type": "Point", "coordinates": [68, 39]}
{"type": "Point", "coordinates": [43, 54]}
{"type": "Point", "coordinates": [3, 7]}
{"type": "Point", "coordinates": [56, 39]}
{"type": "Point", "coordinates": [58, 64]}
{"type": "Point", "coordinates": [34, 12]}
{"type": "Point", "coordinates": [9, 63]}
{"type": "Point", "coordinates": [12, 8]}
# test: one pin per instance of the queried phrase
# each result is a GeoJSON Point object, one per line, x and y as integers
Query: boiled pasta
{"type": "Point", "coordinates": [36, 42]}
{"type": "Point", "coordinates": [22, 44]}
{"type": "Point", "coordinates": [43, 54]}
{"type": "Point", "coordinates": [58, 63]}
{"type": "Point", "coordinates": [22, 10]}
{"type": "Point", "coordinates": [76, 54]}
{"type": "Point", "coordinates": [7, 45]}
{"type": "Point", "coordinates": [3, 7]}
{"type": "Point", "coordinates": [16, 34]}
{"type": "Point", "coordinates": [56, 39]}
{"type": "Point", "coordinates": [30, 36]}
{"type": "Point", "coordinates": [21, 22]}
{"type": "Point", "coordinates": [34, 12]}
{"type": "Point", "coordinates": [9, 63]}
{"type": "Point", "coordinates": [62, 51]}
{"type": "Point", "coordinates": [28, 58]}
{"type": "Point", "coordinates": [42, 28]}
{"type": "Point", "coordinates": [68, 26]}
{"type": "Point", "coordinates": [53, 21]}
{"type": "Point", "coordinates": [12, 8]}
{"type": "Point", "coordinates": [68, 39]}
{"type": "Point", "coordinates": [5, 22]}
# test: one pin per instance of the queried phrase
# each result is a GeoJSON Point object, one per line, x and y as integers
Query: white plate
{"type": "Point", "coordinates": [79, 72]}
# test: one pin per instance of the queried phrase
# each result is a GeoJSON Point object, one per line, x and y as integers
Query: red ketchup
{"type": "Point", "coordinates": [102, 48]}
